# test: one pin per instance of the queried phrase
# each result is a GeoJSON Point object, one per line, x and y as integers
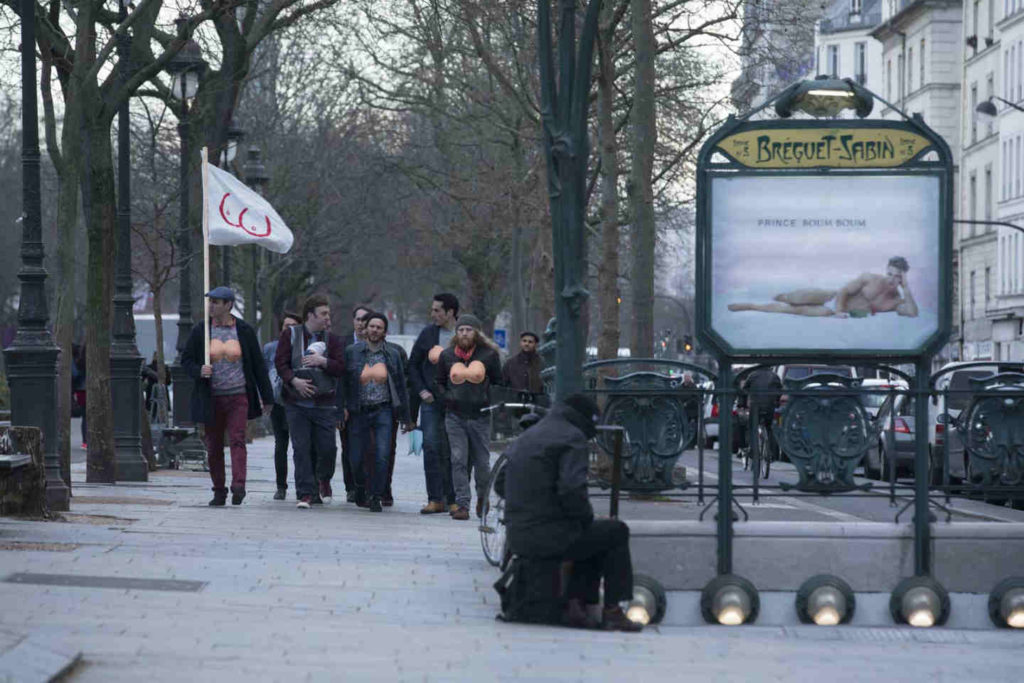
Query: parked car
{"type": "Point", "coordinates": [895, 446]}
{"type": "Point", "coordinates": [958, 384]}
{"type": "Point", "coordinates": [873, 401]}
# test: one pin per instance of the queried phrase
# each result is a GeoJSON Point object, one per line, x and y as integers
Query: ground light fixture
{"type": "Point", "coordinates": [824, 97]}
{"type": "Point", "coordinates": [919, 601]}
{"type": "Point", "coordinates": [825, 600]}
{"type": "Point", "coordinates": [729, 600]}
{"type": "Point", "coordinates": [1006, 603]}
{"type": "Point", "coordinates": [648, 603]}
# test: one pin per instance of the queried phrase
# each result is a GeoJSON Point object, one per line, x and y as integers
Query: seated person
{"type": "Point", "coordinates": [548, 513]}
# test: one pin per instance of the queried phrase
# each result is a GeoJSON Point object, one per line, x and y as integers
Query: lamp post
{"type": "Point", "coordinates": [185, 69]}
{"type": "Point", "coordinates": [255, 177]}
{"type": "Point", "coordinates": [125, 361]}
{"type": "Point", "coordinates": [31, 359]}
{"type": "Point", "coordinates": [227, 156]}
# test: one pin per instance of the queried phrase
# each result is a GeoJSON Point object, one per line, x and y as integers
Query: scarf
{"type": "Point", "coordinates": [464, 355]}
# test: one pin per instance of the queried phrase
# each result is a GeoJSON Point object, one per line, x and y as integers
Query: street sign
{"type": "Point", "coordinates": [501, 339]}
{"type": "Point", "coordinates": [824, 239]}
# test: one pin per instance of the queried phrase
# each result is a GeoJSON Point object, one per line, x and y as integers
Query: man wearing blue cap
{"type": "Point", "coordinates": [233, 388]}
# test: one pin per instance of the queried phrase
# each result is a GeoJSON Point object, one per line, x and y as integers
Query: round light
{"type": "Point", "coordinates": [649, 601]}
{"type": "Point", "coordinates": [825, 600]}
{"type": "Point", "coordinates": [729, 600]}
{"type": "Point", "coordinates": [638, 614]}
{"type": "Point", "coordinates": [920, 606]}
{"type": "Point", "coordinates": [920, 601]}
{"type": "Point", "coordinates": [1006, 603]}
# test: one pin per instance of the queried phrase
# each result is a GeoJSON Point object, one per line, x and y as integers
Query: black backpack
{"type": "Point", "coordinates": [530, 591]}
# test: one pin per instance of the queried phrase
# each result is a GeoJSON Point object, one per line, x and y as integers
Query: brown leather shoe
{"type": "Point", "coordinates": [460, 513]}
{"type": "Point", "coordinates": [614, 619]}
{"type": "Point", "coordinates": [452, 508]}
{"type": "Point", "coordinates": [432, 508]}
{"type": "Point", "coordinates": [479, 508]}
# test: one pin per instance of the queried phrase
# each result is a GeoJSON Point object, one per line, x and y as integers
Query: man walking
{"type": "Point", "coordinates": [426, 352]}
{"type": "Point", "coordinates": [465, 374]}
{"type": "Point", "coordinates": [278, 421]}
{"type": "Point", "coordinates": [522, 371]}
{"type": "Point", "coordinates": [229, 391]}
{"type": "Point", "coordinates": [310, 360]}
{"type": "Point", "coordinates": [375, 395]}
{"type": "Point", "coordinates": [357, 334]}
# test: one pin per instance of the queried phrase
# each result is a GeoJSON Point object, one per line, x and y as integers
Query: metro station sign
{"type": "Point", "coordinates": [816, 147]}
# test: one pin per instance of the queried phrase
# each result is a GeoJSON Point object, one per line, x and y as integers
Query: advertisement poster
{"type": "Point", "coordinates": [825, 263]}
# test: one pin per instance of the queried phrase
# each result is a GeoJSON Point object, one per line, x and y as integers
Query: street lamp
{"type": "Point", "coordinates": [987, 112]}
{"type": "Point", "coordinates": [185, 69]}
{"type": "Point", "coordinates": [125, 361]}
{"type": "Point", "coordinates": [824, 96]}
{"type": "Point", "coordinates": [227, 156]}
{"type": "Point", "coordinates": [31, 359]}
{"type": "Point", "coordinates": [256, 177]}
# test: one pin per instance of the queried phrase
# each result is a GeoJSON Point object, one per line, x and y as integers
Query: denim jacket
{"type": "Point", "coordinates": [355, 358]}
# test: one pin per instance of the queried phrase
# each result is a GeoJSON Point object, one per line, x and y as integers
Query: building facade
{"type": "Point", "coordinates": [843, 45]}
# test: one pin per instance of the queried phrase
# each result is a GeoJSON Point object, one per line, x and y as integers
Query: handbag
{"type": "Point", "coordinates": [323, 384]}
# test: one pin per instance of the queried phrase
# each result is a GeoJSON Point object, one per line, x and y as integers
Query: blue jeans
{"type": "Point", "coordinates": [379, 422]}
{"type": "Point", "coordinates": [435, 465]}
{"type": "Point", "coordinates": [312, 432]}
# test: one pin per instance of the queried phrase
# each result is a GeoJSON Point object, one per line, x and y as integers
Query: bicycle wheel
{"type": "Point", "coordinates": [492, 524]}
{"type": "Point", "coordinates": [764, 452]}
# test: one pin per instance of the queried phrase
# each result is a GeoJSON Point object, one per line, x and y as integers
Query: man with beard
{"type": "Point", "coordinates": [465, 372]}
{"type": "Point", "coordinates": [375, 395]}
{"type": "Point", "coordinates": [522, 371]}
{"type": "Point", "coordinates": [426, 353]}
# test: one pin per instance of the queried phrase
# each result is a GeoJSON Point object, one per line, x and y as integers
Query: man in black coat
{"type": "Point", "coordinates": [548, 513]}
{"type": "Point", "coordinates": [232, 389]}
{"type": "Point", "coordinates": [423, 359]}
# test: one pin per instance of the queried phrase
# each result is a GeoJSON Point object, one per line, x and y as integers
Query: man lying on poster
{"type": "Point", "coordinates": [863, 296]}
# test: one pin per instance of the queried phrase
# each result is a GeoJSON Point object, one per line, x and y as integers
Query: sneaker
{"type": "Point", "coordinates": [432, 508]}
{"type": "Point", "coordinates": [237, 496]}
{"type": "Point", "coordinates": [350, 496]}
{"type": "Point", "coordinates": [279, 495]}
{"type": "Point", "coordinates": [220, 496]}
{"type": "Point", "coordinates": [325, 492]}
{"type": "Point", "coordinates": [461, 513]}
{"type": "Point", "coordinates": [304, 503]}
{"type": "Point", "coordinates": [614, 619]}
{"type": "Point", "coordinates": [375, 505]}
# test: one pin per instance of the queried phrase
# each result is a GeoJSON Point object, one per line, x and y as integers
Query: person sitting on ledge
{"type": "Point", "coordinates": [548, 514]}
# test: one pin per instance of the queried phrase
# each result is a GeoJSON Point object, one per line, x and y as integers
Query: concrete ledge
{"type": "Point", "coordinates": [968, 557]}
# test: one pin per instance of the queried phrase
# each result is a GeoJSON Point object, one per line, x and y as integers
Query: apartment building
{"type": "Point", "coordinates": [843, 45]}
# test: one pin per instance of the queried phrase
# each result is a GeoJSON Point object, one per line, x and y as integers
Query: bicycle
{"type": "Point", "coordinates": [493, 536]}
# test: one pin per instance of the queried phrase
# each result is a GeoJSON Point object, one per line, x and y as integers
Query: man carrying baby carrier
{"type": "Point", "coordinates": [309, 361]}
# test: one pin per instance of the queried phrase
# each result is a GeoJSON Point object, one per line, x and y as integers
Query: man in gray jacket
{"type": "Point", "coordinates": [548, 512]}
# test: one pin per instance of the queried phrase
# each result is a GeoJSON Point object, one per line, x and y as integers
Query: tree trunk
{"type": "Point", "coordinates": [608, 266]}
{"type": "Point", "coordinates": [101, 215]}
{"type": "Point", "coordinates": [641, 188]}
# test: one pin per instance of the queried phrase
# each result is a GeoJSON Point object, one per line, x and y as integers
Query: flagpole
{"type": "Point", "coordinates": [206, 260]}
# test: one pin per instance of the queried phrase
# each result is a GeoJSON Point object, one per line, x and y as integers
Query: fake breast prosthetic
{"type": "Point", "coordinates": [378, 372]}
{"type": "Point", "coordinates": [434, 354]}
{"type": "Point", "coordinates": [474, 373]}
{"type": "Point", "coordinates": [230, 351]}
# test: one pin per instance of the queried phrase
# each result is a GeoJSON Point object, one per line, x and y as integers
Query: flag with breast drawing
{"type": "Point", "coordinates": [235, 214]}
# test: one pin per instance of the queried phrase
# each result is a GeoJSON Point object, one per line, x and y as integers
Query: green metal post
{"type": "Point", "coordinates": [725, 400]}
{"type": "Point", "coordinates": [564, 108]}
{"type": "Point", "coordinates": [922, 523]}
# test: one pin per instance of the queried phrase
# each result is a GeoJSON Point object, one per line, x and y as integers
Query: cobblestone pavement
{"type": "Point", "coordinates": [339, 593]}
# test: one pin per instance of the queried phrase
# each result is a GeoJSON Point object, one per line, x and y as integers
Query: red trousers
{"type": "Point", "coordinates": [229, 415]}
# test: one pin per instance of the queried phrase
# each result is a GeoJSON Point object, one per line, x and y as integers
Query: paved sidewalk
{"type": "Point", "coordinates": [339, 593]}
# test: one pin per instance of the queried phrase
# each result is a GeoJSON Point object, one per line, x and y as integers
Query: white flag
{"type": "Point", "coordinates": [237, 215]}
